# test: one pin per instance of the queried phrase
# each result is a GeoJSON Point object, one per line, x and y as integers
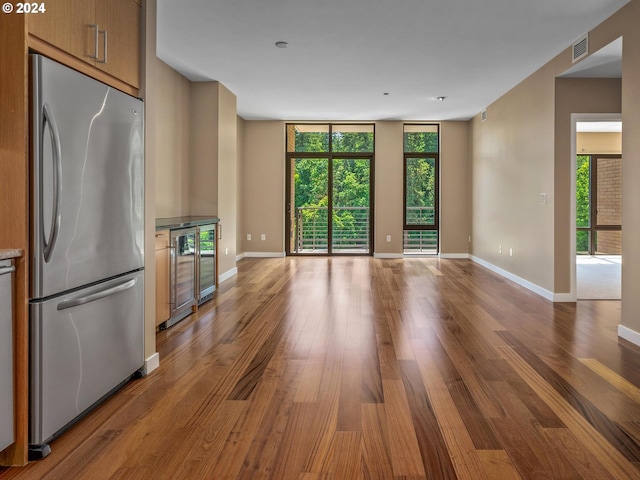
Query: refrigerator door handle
{"type": "Point", "coordinates": [92, 297]}
{"type": "Point", "coordinates": [50, 242]}
{"type": "Point", "coordinates": [5, 270]}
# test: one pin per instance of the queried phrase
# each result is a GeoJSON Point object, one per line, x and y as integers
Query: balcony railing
{"type": "Point", "coordinates": [421, 216]}
{"type": "Point", "coordinates": [420, 241]}
{"type": "Point", "coordinates": [351, 230]}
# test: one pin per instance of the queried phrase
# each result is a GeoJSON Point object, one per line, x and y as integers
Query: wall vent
{"type": "Point", "coordinates": [483, 115]}
{"type": "Point", "coordinates": [580, 49]}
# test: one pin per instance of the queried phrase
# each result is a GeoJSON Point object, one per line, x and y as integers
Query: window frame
{"type": "Point", "coordinates": [330, 155]}
{"type": "Point", "coordinates": [430, 155]}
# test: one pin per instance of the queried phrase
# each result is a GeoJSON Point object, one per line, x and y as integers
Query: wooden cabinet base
{"type": "Point", "coordinates": [77, 64]}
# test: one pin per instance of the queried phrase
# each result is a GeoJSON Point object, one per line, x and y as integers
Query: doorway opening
{"type": "Point", "coordinates": [598, 209]}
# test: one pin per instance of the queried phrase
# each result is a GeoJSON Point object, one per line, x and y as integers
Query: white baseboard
{"type": "Point", "coordinates": [454, 255]}
{"type": "Point", "coordinates": [264, 255]}
{"type": "Point", "coordinates": [151, 363]}
{"type": "Point", "coordinates": [388, 255]}
{"type": "Point", "coordinates": [228, 274]}
{"type": "Point", "coordinates": [564, 298]}
{"type": "Point", "coordinates": [520, 281]}
{"type": "Point", "coordinates": [629, 335]}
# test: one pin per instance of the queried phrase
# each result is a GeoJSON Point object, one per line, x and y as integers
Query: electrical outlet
{"type": "Point", "coordinates": [226, 251]}
{"type": "Point", "coordinates": [543, 199]}
{"type": "Point", "coordinates": [511, 252]}
{"type": "Point", "coordinates": [263, 236]}
{"type": "Point", "coordinates": [500, 249]}
{"type": "Point", "coordinates": [388, 238]}
{"type": "Point", "coordinates": [248, 236]}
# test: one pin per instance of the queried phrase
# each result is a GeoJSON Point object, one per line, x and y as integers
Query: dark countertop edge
{"type": "Point", "coordinates": [172, 223]}
{"type": "Point", "coordinates": [9, 253]}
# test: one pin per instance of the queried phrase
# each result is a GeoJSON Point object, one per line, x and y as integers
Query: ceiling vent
{"type": "Point", "coordinates": [483, 115]}
{"type": "Point", "coordinates": [580, 49]}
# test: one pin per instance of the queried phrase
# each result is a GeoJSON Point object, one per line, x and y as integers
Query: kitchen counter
{"type": "Point", "coordinates": [172, 223]}
{"type": "Point", "coordinates": [8, 253]}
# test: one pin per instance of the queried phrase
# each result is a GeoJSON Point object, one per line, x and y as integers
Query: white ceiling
{"type": "Point", "coordinates": [344, 55]}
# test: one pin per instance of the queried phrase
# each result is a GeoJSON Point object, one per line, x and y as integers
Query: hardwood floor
{"type": "Point", "coordinates": [358, 368]}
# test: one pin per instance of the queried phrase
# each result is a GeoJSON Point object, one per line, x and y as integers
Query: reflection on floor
{"type": "Point", "coordinates": [599, 277]}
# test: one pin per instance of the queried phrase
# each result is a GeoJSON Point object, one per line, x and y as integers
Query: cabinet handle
{"type": "Point", "coordinates": [104, 57]}
{"type": "Point", "coordinates": [95, 43]}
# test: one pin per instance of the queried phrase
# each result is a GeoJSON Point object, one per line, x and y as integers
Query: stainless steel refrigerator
{"type": "Point", "coordinates": [87, 227]}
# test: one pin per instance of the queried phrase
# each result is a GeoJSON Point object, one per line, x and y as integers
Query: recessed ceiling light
{"type": "Point", "coordinates": [386, 93]}
{"type": "Point", "coordinates": [281, 44]}
{"type": "Point", "coordinates": [440, 99]}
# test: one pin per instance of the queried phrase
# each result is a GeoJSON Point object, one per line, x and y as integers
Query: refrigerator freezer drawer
{"type": "Point", "coordinates": [84, 344]}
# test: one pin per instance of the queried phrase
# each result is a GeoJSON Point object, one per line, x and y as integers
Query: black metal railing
{"type": "Point", "coordinates": [421, 215]}
{"type": "Point", "coordinates": [350, 229]}
{"type": "Point", "coordinates": [420, 241]}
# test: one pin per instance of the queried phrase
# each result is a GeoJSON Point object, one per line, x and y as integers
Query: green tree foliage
{"type": "Point", "coordinates": [352, 142]}
{"type": "Point", "coordinates": [583, 201]}
{"type": "Point", "coordinates": [420, 190]}
{"type": "Point", "coordinates": [421, 142]}
{"type": "Point", "coordinates": [311, 141]}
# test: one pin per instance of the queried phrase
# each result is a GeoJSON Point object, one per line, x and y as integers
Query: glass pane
{"type": "Point", "coordinates": [582, 242]}
{"type": "Point", "coordinates": [583, 191]}
{"type": "Point", "coordinates": [609, 202]}
{"type": "Point", "coordinates": [609, 242]}
{"type": "Point", "coordinates": [420, 191]}
{"type": "Point", "coordinates": [420, 241]}
{"type": "Point", "coordinates": [352, 138]}
{"type": "Point", "coordinates": [307, 138]}
{"type": "Point", "coordinates": [351, 216]}
{"type": "Point", "coordinates": [310, 199]}
{"type": "Point", "coordinates": [207, 258]}
{"type": "Point", "coordinates": [421, 139]}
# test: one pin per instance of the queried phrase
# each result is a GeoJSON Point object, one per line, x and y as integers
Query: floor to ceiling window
{"type": "Point", "coordinates": [421, 188]}
{"type": "Point", "coordinates": [329, 188]}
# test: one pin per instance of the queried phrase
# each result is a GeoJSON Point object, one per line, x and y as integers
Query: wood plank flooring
{"type": "Point", "coordinates": [361, 368]}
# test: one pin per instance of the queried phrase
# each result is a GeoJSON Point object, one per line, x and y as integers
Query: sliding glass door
{"type": "Point", "coordinates": [329, 201]}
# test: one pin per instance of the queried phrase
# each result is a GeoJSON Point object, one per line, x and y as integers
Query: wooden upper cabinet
{"type": "Point", "coordinates": [102, 33]}
{"type": "Point", "coordinates": [120, 19]}
{"type": "Point", "coordinates": [65, 25]}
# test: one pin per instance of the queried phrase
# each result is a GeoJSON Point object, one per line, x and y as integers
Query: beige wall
{"type": "Point", "coordinates": [512, 165]}
{"type": "Point", "coordinates": [574, 95]}
{"type": "Point", "coordinates": [166, 96]}
{"type": "Point", "coordinates": [262, 180]}
{"type": "Point", "coordinates": [262, 183]}
{"type": "Point", "coordinates": [455, 188]}
{"type": "Point", "coordinates": [628, 20]}
{"type": "Point", "coordinates": [170, 123]}
{"type": "Point", "coordinates": [529, 127]}
{"type": "Point", "coordinates": [388, 188]}
{"type": "Point", "coordinates": [203, 152]}
{"type": "Point", "coordinates": [240, 193]}
{"type": "Point", "coordinates": [190, 156]}
{"type": "Point", "coordinates": [227, 130]}
{"type": "Point", "coordinates": [599, 142]}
